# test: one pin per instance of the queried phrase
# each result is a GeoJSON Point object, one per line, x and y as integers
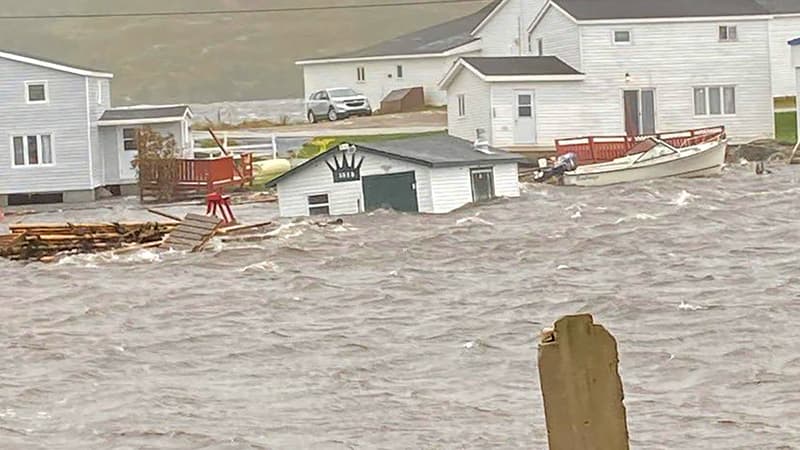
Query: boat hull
{"type": "Point", "coordinates": [704, 163]}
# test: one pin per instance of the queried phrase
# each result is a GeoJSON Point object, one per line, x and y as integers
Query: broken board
{"type": "Point", "coordinates": [193, 233]}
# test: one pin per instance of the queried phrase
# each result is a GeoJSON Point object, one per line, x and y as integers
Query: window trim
{"type": "Point", "coordinates": [540, 46]}
{"type": "Point", "coordinates": [707, 96]}
{"type": "Point", "coordinates": [614, 37]}
{"type": "Point", "coordinates": [30, 83]}
{"type": "Point", "coordinates": [462, 105]}
{"type": "Point", "coordinates": [25, 137]}
{"type": "Point", "coordinates": [361, 74]}
{"type": "Point", "coordinates": [327, 204]}
{"type": "Point", "coordinates": [727, 33]}
{"type": "Point", "coordinates": [400, 71]}
{"type": "Point", "coordinates": [124, 139]}
{"type": "Point", "coordinates": [99, 92]}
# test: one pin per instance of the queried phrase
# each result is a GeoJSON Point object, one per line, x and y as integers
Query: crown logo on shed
{"type": "Point", "coordinates": [346, 169]}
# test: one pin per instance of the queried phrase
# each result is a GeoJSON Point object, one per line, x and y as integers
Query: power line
{"type": "Point", "coordinates": [236, 11]}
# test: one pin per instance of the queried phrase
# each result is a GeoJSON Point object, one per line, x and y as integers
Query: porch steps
{"type": "Point", "coordinates": [193, 233]}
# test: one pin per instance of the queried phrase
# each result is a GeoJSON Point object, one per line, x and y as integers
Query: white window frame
{"type": "Point", "coordinates": [728, 29]}
{"type": "Point", "coordinates": [462, 105]}
{"type": "Point", "coordinates": [616, 42]}
{"type": "Point", "coordinates": [318, 205]}
{"type": "Point", "coordinates": [540, 46]}
{"type": "Point", "coordinates": [707, 96]}
{"type": "Point", "coordinates": [28, 92]}
{"type": "Point", "coordinates": [361, 74]}
{"type": "Point", "coordinates": [99, 92]}
{"type": "Point", "coordinates": [133, 139]}
{"type": "Point", "coordinates": [401, 71]}
{"type": "Point", "coordinates": [25, 155]}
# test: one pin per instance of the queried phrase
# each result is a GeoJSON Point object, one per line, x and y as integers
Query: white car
{"type": "Point", "coordinates": [337, 103]}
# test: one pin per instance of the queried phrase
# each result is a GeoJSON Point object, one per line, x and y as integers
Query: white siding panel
{"type": "Point", "coordinates": [560, 37]}
{"type": "Point", "coordinates": [673, 58]}
{"type": "Point", "coordinates": [477, 101]}
{"type": "Point", "coordinates": [452, 186]}
{"type": "Point", "coordinates": [782, 30]}
{"type": "Point", "coordinates": [95, 111]}
{"type": "Point", "coordinates": [345, 198]}
{"type": "Point", "coordinates": [500, 35]}
{"type": "Point", "coordinates": [560, 110]}
{"type": "Point", "coordinates": [64, 117]}
{"type": "Point", "coordinates": [506, 180]}
{"type": "Point", "coordinates": [381, 77]}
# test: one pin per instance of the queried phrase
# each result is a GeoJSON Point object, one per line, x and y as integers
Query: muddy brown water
{"type": "Point", "coordinates": [399, 331]}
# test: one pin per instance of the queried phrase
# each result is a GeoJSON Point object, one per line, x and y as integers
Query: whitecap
{"type": "Point", "coordinates": [683, 199]}
{"type": "Point", "coordinates": [474, 220]}
{"type": "Point", "coordinates": [576, 215]}
{"type": "Point", "coordinates": [264, 266]}
{"type": "Point", "coordinates": [563, 267]}
{"type": "Point", "coordinates": [689, 307]}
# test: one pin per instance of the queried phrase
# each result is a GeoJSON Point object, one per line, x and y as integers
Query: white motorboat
{"type": "Point", "coordinates": [654, 158]}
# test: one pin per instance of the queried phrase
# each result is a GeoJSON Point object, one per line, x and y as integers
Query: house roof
{"type": "Point", "coordinates": [436, 150]}
{"type": "Point", "coordinates": [432, 40]}
{"type": "Point", "coordinates": [658, 9]}
{"type": "Point", "coordinates": [780, 6]}
{"type": "Point", "coordinates": [55, 65]}
{"type": "Point", "coordinates": [144, 114]}
{"type": "Point", "coordinates": [514, 68]}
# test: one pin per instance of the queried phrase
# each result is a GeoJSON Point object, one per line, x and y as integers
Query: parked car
{"type": "Point", "coordinates": [337, 103]}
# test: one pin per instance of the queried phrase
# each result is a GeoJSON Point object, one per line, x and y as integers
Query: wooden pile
{"type": "Point", "coordinates": [44, 241]}
{"type": "Point", "coordinates": [193, 232]}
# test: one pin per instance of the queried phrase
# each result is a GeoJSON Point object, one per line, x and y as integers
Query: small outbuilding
{"type": "Point", "coordinates": [429, 174]}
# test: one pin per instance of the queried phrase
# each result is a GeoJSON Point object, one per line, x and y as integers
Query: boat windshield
{"type": "Point", "coordinates": [660, 150]}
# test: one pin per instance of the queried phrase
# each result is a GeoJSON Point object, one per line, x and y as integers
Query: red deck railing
{"type": "Point", "coordinates": [215, 173]}
{"type": "Point", "coordinates": [594, 149]}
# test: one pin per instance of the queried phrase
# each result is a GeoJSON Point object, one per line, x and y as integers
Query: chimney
{"type": "Point", "coordinates": [481, 144]}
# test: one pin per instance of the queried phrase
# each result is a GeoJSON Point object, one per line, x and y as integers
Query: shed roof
{"type": "Point", "coordinates": [780, 6]}
{"type": "Point", "coordinates": [432, 40]}
{"type": "Point", "coordinates": [520, 65]}
{"type": "Point", "coordinates": [55, 65]}
{"type": "Point", "coordinates": [652, 9]}
{"type": "Point", "coordinates": [144, 114]}
{"type": "Point", "coordinates": [437, 150]}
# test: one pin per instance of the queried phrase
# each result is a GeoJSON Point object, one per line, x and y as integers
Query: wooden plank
{"type": "Point", "coordinates": [201, 218]}
{"type": "Point", "coordinates": [185, 235]}
{"type": "Point", "coordinates": [180, 241]}
{"type": "Point", "coordinates": [163, 214]}
{"type": "Point", "coordinates": [243, 227]}
{"type": "Point", "coordinates": [198, 225]}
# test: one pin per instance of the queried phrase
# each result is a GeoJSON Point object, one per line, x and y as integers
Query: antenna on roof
{"type": "Point", "coordinates": [481, 144]}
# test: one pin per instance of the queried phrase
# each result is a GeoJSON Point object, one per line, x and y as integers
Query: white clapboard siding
{"type": "Point", "coordinates": [560, 110]}
{"type": "Point", "coordinates": [500, 34]}
{"type": "Point", "coordinates": [452, 186]}
{"type": "Point", "coordinates": [560, 37]}
{"type": "Point", "coordinates": [99, 100]}
{"type": "Point", "coordinates": [381, 77]}
{"type": "Point", "coordinates": [478, 113]}
{"type": "Point", "coordinates": [64, 117]}
{"type": "Point", "coordinates": [674, 58]}
{"type": "Point", "coordinates": [345, 198]}
{"type": "Point", "coordinates": [506, 180]}
{"type": "Point", "coordinates": [782, 29]}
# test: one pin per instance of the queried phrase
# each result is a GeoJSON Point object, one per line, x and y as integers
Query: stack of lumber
{"type": "Point", "coordinates": [44, 241]}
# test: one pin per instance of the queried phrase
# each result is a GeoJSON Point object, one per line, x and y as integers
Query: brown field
{"type": "Point", "coordinates": [200, 59]}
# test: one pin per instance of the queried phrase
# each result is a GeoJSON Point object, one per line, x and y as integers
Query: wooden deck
{"type": "Point", "coordinates": [203, 176]}
{"type": "Point", "coordinates": [193, 233]}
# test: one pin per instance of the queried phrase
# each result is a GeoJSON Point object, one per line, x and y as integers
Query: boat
{"type": "Point", "coordinates": [653, 158]}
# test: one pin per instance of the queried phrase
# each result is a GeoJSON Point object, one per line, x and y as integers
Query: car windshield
{"type": "Point", "coordinates": [337, 93]}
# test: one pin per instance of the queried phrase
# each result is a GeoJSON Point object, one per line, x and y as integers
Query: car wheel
{"type": "Point", "coordinates": [312, 118]}
{"type": "Point", "coordinates": [332, 116]}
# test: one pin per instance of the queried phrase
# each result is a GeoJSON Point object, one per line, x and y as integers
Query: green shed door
{"type": "Point", "coordinates": [397, 191]}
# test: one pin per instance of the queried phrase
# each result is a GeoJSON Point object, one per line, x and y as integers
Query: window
{"type": "Point", "coordinates": [99, 92]}
{"type": "Point", "coordinates": [714, 101]}
{"type": "Point", "coordinates": [622, 37]}
{"type": "Point", "coordinates": [129, 139]}
{"type": "Point", "coordinates": [462, 105]}
{"type": "Point", "coordinates": [727, 33]}
{"type": "Point", "coordinates": [32, 150]}
{"type": "Point", "coordinates": [540, 46]}
{"type": "Point", "coordinates": [361, 74]}
{"type": "Point", "coordinates": [399, 71]}
{"type": "Point", "coordinates": [318, 205]}
{"type": "Point", "coordinates": [36, 92]}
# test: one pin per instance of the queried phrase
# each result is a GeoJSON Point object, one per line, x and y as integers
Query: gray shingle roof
{"type": "Point", "coordinates": [781, 6]}
{"type": "Point", "coordinates": [436, 150]}
{"type": "Point", "coordinates": [436, 39]}
{"type": "Point", "coordinates": [646, 9]}
{"type": "Point", "coordinates": [52, 61]}
{"type": "Point", "coordinates": [521, 65]}
{"type": "Point", "coordinates": [155, 112]}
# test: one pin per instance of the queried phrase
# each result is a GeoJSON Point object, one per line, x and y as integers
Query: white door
{"type": "Point", "coordinates": [524, 118]}
{"type": "Point", "coordinates": [127, 153]}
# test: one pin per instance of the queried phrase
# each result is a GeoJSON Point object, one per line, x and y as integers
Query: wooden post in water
{"type": "Point", "coordinates": [581, 386]}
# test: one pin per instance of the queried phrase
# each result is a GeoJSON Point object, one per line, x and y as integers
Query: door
{"type": "Point", "coordinates": [640, 112]}
{"type": "Point", "coordinates": [396, 191]}
{"type": "Point", "coordinates": [482, 184]}
{"type": "Point", "coordinates": [524, 118]}
{"type": "Point", "coordinates": [321, 104]}
{"type": "Point", "coordinates": [128, 152]}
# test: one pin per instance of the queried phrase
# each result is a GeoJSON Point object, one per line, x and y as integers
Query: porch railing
{"type": "Point", "coordinates": [594, 149]}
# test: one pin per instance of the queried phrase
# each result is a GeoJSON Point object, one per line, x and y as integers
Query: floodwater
{"type": "Point", "coordinates": [399, 331]}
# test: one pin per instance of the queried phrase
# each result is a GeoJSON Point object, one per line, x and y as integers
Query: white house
{"type": "Point", "coordinates": [60, 140]}
{"type": "Point", "coordinates": [621, 67]}
{"type": "Point", "coordinates": [422, 57]}
{"type": "Point", "coordinates": [429, 174]}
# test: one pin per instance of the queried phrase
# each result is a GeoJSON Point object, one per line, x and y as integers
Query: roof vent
{"type": "Point", "coordinates": [481, 144]}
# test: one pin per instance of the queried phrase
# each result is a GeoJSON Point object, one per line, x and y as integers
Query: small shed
{"type": "Point", "coordinates": [429, 174]}
{"type": "Point", "coordinates": [403, 100]}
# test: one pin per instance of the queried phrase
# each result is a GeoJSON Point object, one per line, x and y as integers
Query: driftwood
{"type": "Point", "coordinates": [163, 214]}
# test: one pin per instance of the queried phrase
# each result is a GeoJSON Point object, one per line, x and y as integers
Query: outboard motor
{"type": "Point", "coordinates": [564, 163]}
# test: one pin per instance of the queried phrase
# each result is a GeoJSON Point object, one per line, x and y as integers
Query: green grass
{"type": "Point", "coordinates": [786, 127]}
{"type": "Point", "coordinates": [321, 144]}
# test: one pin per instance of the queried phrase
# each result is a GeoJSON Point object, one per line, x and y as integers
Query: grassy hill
{"type": "Point", "coordinates": [206, 58]}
